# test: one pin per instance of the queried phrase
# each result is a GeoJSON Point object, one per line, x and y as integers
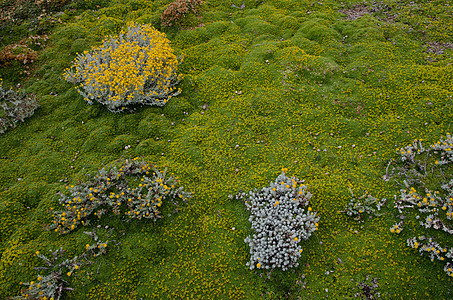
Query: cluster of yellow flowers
{"type": "Point", "coordinates": [137, 67]}
{"type": "Point", "coordinates": [396, 228]}
{"type": "Point", "coordinates": [434, 250]}
{"type": "Point", "coordinates": [432, 202]}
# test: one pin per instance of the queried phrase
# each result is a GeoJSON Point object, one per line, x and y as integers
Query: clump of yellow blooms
{"type": "Point", "coordinates": [137, 67]}
{"type": "Point", "coordinates": [396, 228]}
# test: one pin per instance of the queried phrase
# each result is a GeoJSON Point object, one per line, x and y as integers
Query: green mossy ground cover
{"type": "Point", "coordinates": [297, 84]}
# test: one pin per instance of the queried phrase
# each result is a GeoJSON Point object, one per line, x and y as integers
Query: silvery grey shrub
{"type": "Point", "coordinates": [281, 220]}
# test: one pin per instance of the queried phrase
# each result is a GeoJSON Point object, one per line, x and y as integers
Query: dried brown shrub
{"type": "Point", "coordinates": [21, 51]}
{"type": "Point", "coordinates": [176, 11]}
{"type": "Point", "coordinates": [17, 52]}
{"type": "Point", "coordinates": [356, 11]}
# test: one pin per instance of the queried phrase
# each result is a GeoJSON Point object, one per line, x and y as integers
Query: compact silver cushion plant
{"type": "Point", "coordinates": [280, 220]}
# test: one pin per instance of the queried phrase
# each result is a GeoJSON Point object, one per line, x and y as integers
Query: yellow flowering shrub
{"type": "Point", "coordinates": [137, 67]}
{"type": "Point", "coordinates": [358, 207]}
{"type": "Point", "coordinates": [52, 281]}
{"type": "Point", "coordinates": [111, 190]}
{"type": "Point", "coordinates": [424, 171]}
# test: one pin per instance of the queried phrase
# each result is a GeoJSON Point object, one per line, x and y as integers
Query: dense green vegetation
{"type": "Point", "coordinates": [327, 89]}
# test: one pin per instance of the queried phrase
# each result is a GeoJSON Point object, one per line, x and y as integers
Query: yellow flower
{"type": "Point", "coordinates": [258, 265]}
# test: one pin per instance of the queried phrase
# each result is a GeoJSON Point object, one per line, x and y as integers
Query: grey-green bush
{"type": "Point", "coordinates": [280, 221]}
{"type": "Point", "coordinates": [16, 106]}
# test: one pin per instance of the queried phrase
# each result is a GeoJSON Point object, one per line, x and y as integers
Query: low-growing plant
{"type": "Point", "coordinates": [16, 106]}
{"type": "Point", "coordinates": [136, 189]}
{"type": "Point", "coordinates": [20, 18]}
{"type": "Point", "coordinates": [358, 207]}
{"type": "Point", "coordinates": [367, 289]}
{"type": "Point", "coordinates": [53, 279]}
{"type": "Point", "coordinates": [433, 249]}
{"type": "Point", "coordinates": [17, 52]}
{"type": "Point", "coordinates": [397, 228]}
{"type": "Point", "coordinates": [422, 170]}
{"type": "Point", "coordinates": [177, 10]}
{"type": "Point", "coordinates": [279, 221]}
{"type": "Point", "coordinates": [137, 67]}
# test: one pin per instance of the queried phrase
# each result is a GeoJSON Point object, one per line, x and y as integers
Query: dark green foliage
{"type": "Point", "coordinates": [153, 126]}
{"type": "Point", "coordinates": [178, 108]}
{"type": "Point", "coordinates": [11, 213]}
{"type": "Point", "coordinates": [319, 30]}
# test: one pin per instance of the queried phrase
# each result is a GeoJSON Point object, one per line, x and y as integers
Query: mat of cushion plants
{"type": "Point", "coordinates": [226, 149]}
